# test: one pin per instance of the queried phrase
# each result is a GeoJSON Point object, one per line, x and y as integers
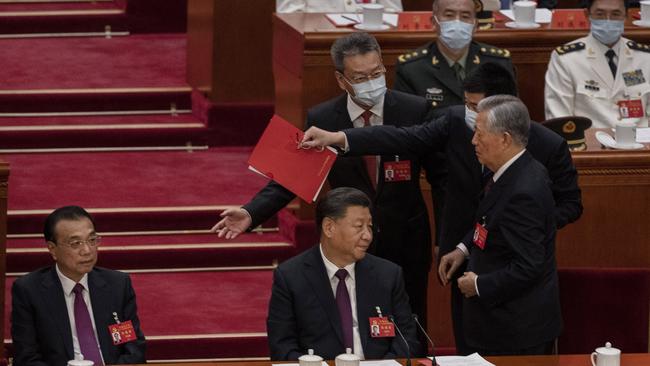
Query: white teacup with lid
{"type": "Point", "coordinates": [80, 362]}
{"type": "Point", "coordinates": [606, 356]}
{"type": "Point", "coordinates": [310, 359]}
{"type": "Point", "coordinates": [347, 359]}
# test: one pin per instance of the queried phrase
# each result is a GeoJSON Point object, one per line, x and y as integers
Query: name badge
{"type": "Point", "coordinates": [122, 332]}
{"type": "Point", "coordinates": [632, 108]}
{"type": "Point", "coordinates": [397, 171]}
{"type": "Point", "coordinates": [381, 327]}
{"type": "Point", "coordinates": [480, 236]}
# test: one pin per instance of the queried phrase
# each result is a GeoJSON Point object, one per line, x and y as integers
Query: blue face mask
{"type": "Point", "coordinates": [470, 118]}
{"type": "Point", "coordinates": [607, 31]}
{"type": "Point", "coordinates": [455, 34]}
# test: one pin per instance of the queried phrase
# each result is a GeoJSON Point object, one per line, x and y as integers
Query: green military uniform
{"type": "Point", "coordinates": [426, 72]}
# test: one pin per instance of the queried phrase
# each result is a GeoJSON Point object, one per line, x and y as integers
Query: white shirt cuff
{"type": "Point", "coordinates": [346, 147]}
{"type": "Point", "coordinates": [476, 286]}
{"type": "Point", "coordinates": [463, 249]}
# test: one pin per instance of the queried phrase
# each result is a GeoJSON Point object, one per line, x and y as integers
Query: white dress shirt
{"type": "Point", "coordinates": [495, 177]}
{"type": "Point", "coordinates": [68, 285]}
{"type": "Point", "coordinates": [350, 283]}
{"type": "Point", "coordinates": [330, 6]}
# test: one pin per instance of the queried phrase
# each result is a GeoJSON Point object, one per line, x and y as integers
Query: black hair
{"type": "Point", "coordinates": [356, 43]}
{"type": "Point", "coordinates": [336, 202]}
{"type": "Point", "coordinates": [490, 79]}
{"type": "Point", "coordinates": [63, 213]}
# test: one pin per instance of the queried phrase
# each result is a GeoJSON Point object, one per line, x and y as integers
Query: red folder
{"type": "Point", "coordinates": [278, 157]}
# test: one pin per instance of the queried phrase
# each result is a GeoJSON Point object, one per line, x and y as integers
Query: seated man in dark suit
{"type": "Point", "coordinates": [452, 134]}
{"type": "Point", "coordinates": [64, 312]}
{"type": "Point", "coordinates": [400, 215]}
{"type": "Point", "coordinates": [512, 304]}
{"type": "Point", "coordinates": [324, 298]}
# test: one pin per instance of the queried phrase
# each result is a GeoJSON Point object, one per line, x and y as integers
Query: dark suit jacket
{"type": "Point", "coordinates": [451, 135]}
{"type": "Point", "coordinates": [399, 215]}
{"type": "Point", "coordinates": [519, 304]}
{"type": "Point", "coordinates": [40, 326]}
{"type": "Point", "coordinates": [303, 312]}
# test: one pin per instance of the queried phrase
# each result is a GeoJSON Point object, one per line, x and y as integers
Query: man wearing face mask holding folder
{"type": "Point", "coordinates": [401, 222]}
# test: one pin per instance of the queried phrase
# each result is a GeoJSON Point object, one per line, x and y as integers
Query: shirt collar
{"type": "Point", "coordinates": [331, 268]}
{"type": "Point", "coordinates": [69, 284]}
{"type": "Point", "coordinates": [507, 165]}
{"type": "Point", "coordinates": [462, 60]}
{"type": "Point", "coordinates": [355, 111]}
{"type": "Point", "coordinates": [601, 48]}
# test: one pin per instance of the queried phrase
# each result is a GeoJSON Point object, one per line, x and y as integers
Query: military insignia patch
{"type": "Point", "coordinates": [434, 94]}
{"type": "Point", "coordinates": [569, 127]}
{"type": "Point", "coordinates": [568, 48]}
{"type": "Point", "coordinates": [638, 46]}
{"type": "Point", "coordinates": [633, 77]}
{"type": "Point", "coordinates": [592, 85]}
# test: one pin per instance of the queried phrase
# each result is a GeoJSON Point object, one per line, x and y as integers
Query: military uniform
{"type": "Point", "coordinates": [426, 72]}
{"type": "Point", "coordinates": [579, 82]}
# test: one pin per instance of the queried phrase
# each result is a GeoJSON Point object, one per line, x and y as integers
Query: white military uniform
{"type": "Point", "coordinates": [330, 6]}
{"type": "Point", "coordinates": [579, 82]}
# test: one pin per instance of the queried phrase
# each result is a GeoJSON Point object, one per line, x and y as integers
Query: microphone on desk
{"type": "Point", "coordinates": [433, 349]}
{"type": "Point", "coordinates": [408, 349]}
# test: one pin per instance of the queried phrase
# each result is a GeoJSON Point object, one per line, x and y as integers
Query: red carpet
{"type": "Point", "coordinates": [201, 304]}
{"type": "Point", "coordinates": [218, 176]}
{"type": "Point", "coordinates": [152, 60]}
{"type": "Point", "coordinates": [128, 252]}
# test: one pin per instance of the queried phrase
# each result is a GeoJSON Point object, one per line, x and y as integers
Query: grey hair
{"type": "Point", "coordinates": [506, 113]}
{"type": "Point", "coordinates": [357, 43]}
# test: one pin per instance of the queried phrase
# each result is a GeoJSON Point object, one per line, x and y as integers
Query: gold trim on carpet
{"type": "Point", "coordinates": [167, 247]}
{"type": "Point", "coordinates": [104, 149]}
{"type": "Point", "coordinates": [180, 270]}
{"type": "Point", "coordinates": [64, 35]}
{"type": "Point", "coordinates": [171, 111]}
{"type": "Point", "coordinates": [130, 209]}
{"type": "Point", "coordinates": [120, 126]}
{"type": "Point", "coordinates": [149, 233]}
{"type": "Point", "coordinates": [171, 89]}
{"type": "Point", "coordinates": [48, 13]}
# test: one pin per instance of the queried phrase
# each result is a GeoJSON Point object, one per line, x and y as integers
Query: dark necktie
{"type": "Point", "coordinates": [458, 70]}
{"type": "Point", "coordinates": [610, 54]}
{"type": "Point", "coordinates": [345, 309]}
{"type": "Point", "coordinates": [370, 160]}
{"type": "Point", "coordinates": [487, 179]}
{"type": "Point", "coordinates": [85, 333]}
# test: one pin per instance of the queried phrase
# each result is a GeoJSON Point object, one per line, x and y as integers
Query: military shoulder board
{"type": "Point", "coordinates": [568, 48]}
{"type": "Point", "coordinates": [493, 51]}
{"type": "Point", "coordinates": [414, 55]}
{"type": "Point", "coordinates": [638, 46]}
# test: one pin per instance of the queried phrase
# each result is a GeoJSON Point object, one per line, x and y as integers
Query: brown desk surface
{"type": "Point", "coordinates": [563, 360]}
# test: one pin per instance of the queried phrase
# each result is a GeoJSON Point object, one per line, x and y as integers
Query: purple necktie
{"type": "Point", "coordinates": [345, 309]}
{"type": "Point", "coordinates": [85, 333]}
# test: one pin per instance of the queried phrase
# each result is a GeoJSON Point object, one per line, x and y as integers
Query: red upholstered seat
{"type": "Point", "coordinates": [604, 305]}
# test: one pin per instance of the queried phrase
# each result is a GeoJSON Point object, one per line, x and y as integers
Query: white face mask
{"type": "Point", "coordinates": [455, 34]}
{"type": "Point", "coordinates": [370, 92]}
{"type": "Point", "coordinates": [470, 118]}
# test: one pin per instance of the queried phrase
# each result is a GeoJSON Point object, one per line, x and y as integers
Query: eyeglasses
{"type": "Point", "coordinates": [91, 242]}
{"type": "Point", "coordinates": [358, 79]}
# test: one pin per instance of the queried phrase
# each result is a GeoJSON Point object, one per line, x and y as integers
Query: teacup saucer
{"type": "Point", "coordinates": [516, 25]}
{"type": "Point", "coordinates": [361, 26]}
{"type": "Point", "coordinates": [641, 23]}
{"type": "Point", "coordinates": [608, 141]}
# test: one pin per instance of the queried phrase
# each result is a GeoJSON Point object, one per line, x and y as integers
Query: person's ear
{"type": "Point", "coordinates": [328, 227]}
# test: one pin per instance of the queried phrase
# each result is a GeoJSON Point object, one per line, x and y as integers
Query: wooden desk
{"type": "Point", "coordinates": [303, 70]}
{"type": "Point", "coordinates": [564, 360]}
